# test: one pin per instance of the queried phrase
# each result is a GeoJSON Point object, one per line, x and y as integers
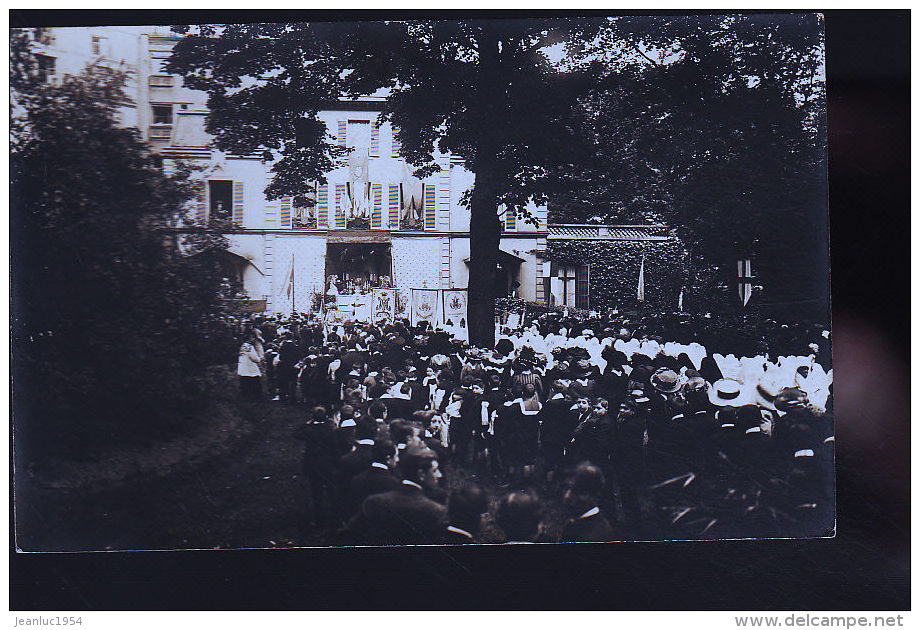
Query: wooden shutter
{"type": "Point", "coordinates": [238, 203]}
{"type": "Point", "coordinates": [341, 139]}
{"type": "Point", "coordinates": [375, 140]}
{"type": "Point", "coordinates": [285, 213]}
{"type": "Point", "coordinates": [322, 207]}
{"type": "Point", "coordinates": [582, 286]}
{"type": "Point", "coordinates": [394, 207]}
{"type": "Point", "coordinates": [341, 135]}
{"type": "Point", "coordinates": [430, 208]}
{"type": "Point", "coordinates": [377, 209]}
{"type": "Point", "coordinates": [201, 203]}
{"type": "Point", "coordinates": [396, 145]}
{"type": "Point", "coordinates": [340, 206]}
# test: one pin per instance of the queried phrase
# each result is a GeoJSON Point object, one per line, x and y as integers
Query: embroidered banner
{"type": "Point", "coordinates": [384, 304]}
{"type": "Point", "coordinates": [455, 306]}
{"type": "Point", "coordinates": [403, 304]}
{"type": "Point", "coordinates": [425, 306]}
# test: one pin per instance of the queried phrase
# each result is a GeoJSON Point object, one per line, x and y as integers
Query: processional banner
{"type": "Point", "coordinates": [403, 303]}
{"type": "Point", "coordinates": [455, 306]}
{"type": "Point", "coordinates": [425, 306]}
{"type": "Point", "coordinates": [383, 305]}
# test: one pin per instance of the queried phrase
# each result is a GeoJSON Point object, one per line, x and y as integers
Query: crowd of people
{"type": "Point", "coordinates": [632, 430]}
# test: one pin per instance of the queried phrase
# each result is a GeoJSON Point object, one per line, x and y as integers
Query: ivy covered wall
{"type": "Point", "coordinates": [668, 269]}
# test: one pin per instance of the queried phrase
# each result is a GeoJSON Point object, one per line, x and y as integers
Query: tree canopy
{"type": "Point", "coordinates": [110, 321]}
{"type": "Point", "coordinates": [482, 90]}
{"type": "Point", "coordinates": [719, 131]}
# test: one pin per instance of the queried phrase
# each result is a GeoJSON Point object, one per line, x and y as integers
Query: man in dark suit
{"type": "Point", "coordinates": [319, 461]}
{"type": "Point", "coordinates": [361, 455]}
{"type": "Point", "coordinates": [465, 508]}
{"type": "Point", "coordinates": [376, 478]}
{"type": "Point", "coordinates": [405, 515]}
{"type": "Point", "coordinates": [556, 427]}
{"type": "Point", "coordinates": [582, 498]}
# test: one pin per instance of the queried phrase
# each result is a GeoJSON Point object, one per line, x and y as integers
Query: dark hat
{"type": "Point", "coordinates": [666, 380]}
{"type": "Point", "coordinates": [789, 398]}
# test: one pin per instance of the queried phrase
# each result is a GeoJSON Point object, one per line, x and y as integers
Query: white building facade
{"type": "Point", "coordinates": [373, 225]}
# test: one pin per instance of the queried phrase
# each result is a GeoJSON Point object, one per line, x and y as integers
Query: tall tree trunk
{"type": "Point", "coordinates": [485, 228]}
{"type": "Point", "coordinates": [485, 232]}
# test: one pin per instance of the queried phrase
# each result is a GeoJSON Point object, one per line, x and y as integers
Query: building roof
{"type": "Point", "coordinates": [586, 231]}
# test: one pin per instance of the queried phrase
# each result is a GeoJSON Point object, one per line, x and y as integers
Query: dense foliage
{"type": "Point", "coordinates": [110, 322]}
{"type": "Point", "coordinates": [614, 269]}
{"type": "Point", "coordinates": [714, 125]}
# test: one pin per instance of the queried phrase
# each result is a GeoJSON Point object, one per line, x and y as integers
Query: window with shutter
{"type": "Point", "coordinates": [340, 206]}
{"type": "Point", "coordinates": [582, 286]}
{"type": "Point", "coordinates": [220, 199]}
{"type": "Point", "coordinates": [237, 203]}
{"type": "Point", "coordinates": [201, 203]}
{"type": "Point", "coordinates": [304, 217]}
{"type": "Point", "coordinates": [375, 141]}
{"type": "Point", "coordinates": [322, 206]}
{"type": "Point", "coordinates": [394, 207]}
{"type": "Point", "coordinates": [396, 145]}
{"type": "Point", "coordinates": [377, 208]}
{"type": "Point", "coordinates": [430, 208]}
{"type": "Point", "coordinates": [285, 213]}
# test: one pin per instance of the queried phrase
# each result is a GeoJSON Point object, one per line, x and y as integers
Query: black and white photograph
{"type": "Point", "coordinates": [396, 282]}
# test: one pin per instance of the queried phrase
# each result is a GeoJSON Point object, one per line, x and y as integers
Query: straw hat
{"type": "Point", "coordinates": [728, 392]}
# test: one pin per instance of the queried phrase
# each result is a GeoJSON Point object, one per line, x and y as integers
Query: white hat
{"type": "Point", "coordinates": [728, 392]}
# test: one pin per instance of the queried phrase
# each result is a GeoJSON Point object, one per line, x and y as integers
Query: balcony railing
{"type": "Point", "coordinates": [160, 81]}
{"type": "Point", "coordinates": [160, 132]}
{"type": "Point", "coordinates": [584, 231]}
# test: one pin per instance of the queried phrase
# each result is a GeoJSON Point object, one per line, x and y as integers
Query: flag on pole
{"type": "Point", "coordinates": [680, 301]}
{"type": "Point", "coordinates": [288, 288]}
{"type": "Point", "coordinates": [640, 291]}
